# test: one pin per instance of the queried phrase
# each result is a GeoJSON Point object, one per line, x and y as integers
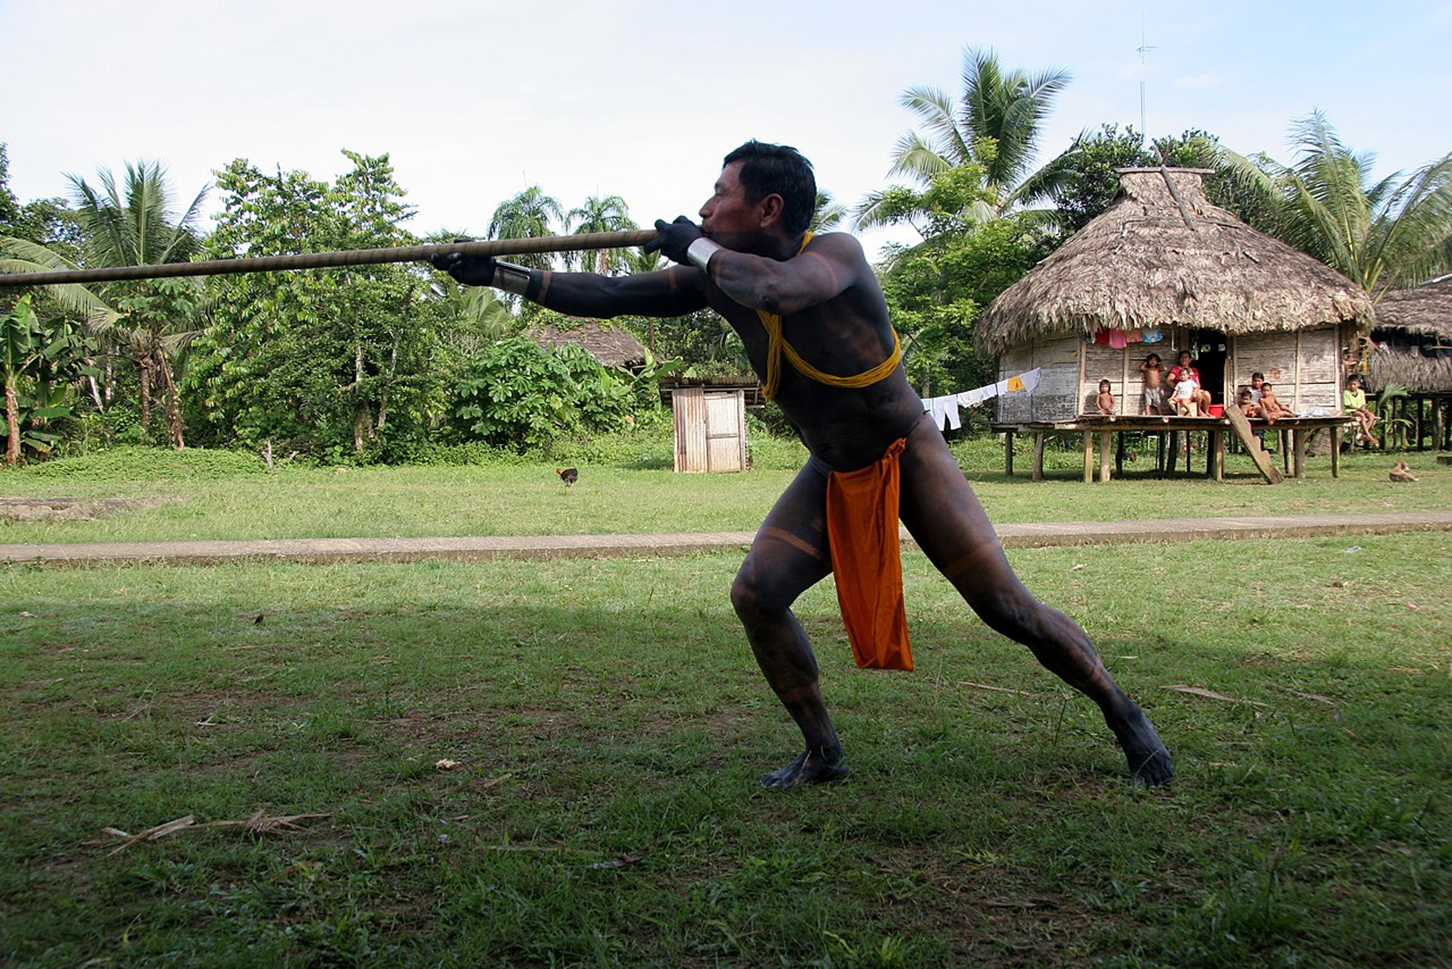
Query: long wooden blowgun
{"type": "Point", "coordinates": [334, 260]}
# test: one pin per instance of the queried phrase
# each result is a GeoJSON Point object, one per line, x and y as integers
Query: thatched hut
{"type": "Point", "coordinates": [611, 345]}
{"type": "Point", "coordinates": [1161, 270]}
{"type": "Point", "coordinates": [1413, 335]}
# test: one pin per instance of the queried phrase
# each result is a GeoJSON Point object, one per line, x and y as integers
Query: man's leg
{"type": "Point", "coordinates": [788, 557]}
{"type": "Point", "coordinates": [950, 526]}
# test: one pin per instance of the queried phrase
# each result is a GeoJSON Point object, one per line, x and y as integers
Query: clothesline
{"type": "Point", "coordinates": [945, 408]}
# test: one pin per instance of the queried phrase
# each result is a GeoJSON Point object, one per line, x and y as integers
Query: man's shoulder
{"type": "Point", "coordinates": [843, 243]}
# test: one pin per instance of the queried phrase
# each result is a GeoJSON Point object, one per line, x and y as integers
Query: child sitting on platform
{"type": "Point", "coordinates": [1271, 408]}
{"type": "Point", "coordinates": [1246, 403]}
{"type": "Point", "coordinates": [1105, 403]}
{"type": "Point", "coordinates": [1185, 401]}
{"type": "Point", "coordinates": [1353, 401]}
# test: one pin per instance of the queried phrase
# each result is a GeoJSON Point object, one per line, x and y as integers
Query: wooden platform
{"type": "Point", "coordinates": [1297, 429]}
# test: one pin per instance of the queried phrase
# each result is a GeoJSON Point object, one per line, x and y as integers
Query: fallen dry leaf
{"type": "Point", "coordinates": [1209, 695]}
{"type": "Point", "coordinates": [995, 689]}
{"type": "Point", "coordinates": [447, 764]}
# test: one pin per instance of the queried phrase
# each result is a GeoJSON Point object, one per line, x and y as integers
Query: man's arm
{"type": "Point", "coordinates": [829, 265]}
{"type": "Point", "coordinates": [671, 292]}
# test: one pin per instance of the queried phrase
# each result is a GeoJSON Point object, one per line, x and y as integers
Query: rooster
{"type": "Point", "coordinates": [1400, 472]}
{"type": "Point", "coordinates": [568, 475]}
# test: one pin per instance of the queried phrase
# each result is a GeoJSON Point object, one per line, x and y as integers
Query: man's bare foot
{"type": "Point", "coordinates": [810, 767]}
{"type": "Point", "coordinates": [1149, 759]}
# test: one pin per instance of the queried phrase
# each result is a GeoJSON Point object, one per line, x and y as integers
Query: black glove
{"type": "Point", "coordinates": [469, 270]}
{"type": "Point", "coordinates": [674, 239]}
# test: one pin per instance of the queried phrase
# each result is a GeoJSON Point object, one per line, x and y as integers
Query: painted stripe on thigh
{"type": "Point", "coordinates": [772, 533]}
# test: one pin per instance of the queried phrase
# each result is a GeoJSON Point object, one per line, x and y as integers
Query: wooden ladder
{"type": "Point", "coordinates": [1253, 447]}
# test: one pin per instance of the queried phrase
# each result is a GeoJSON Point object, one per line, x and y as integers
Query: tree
{"type": "Point", "coordinates": [937, 289]}
{"type": "Point", "coordinates": [994, 125]}
{"type": "Point", "coordinates": [133, 224]}
{"type": "Point", "coordinates": [332, 363]}
{"type": "Point", "coordinates": [16, 347]}
{"type": "Point", "coordinates": [1390, 234]}
{"type": "Point", "coordinates": [828, 214]}
{"type": "Point", "coordinates": [608, 214]}
{"type": "Point", "coordinates": [529, 214]}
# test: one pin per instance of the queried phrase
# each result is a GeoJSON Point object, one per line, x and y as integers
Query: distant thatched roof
{"type": "Point", "coordinates": [1423, 310]}
{"type": "Point", "coordinates": [1419, 374]}
{"type": "Point", "coordinates": [611, 345]}
{"type": "Point", "coordinates": [1163, 255]}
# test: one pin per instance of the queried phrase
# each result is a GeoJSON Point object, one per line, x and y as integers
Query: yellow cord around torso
{"type": "Point", "coordinates": [777, 346]}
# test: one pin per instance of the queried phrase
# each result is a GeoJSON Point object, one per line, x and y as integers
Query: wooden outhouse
{"type": "Point", "coordinates": [1164, 270]}
{"type": "Point", "coordinates": [710, 429]}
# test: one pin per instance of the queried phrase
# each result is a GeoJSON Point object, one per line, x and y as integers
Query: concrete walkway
{"type": "Point", "coordinates": [327, 550]}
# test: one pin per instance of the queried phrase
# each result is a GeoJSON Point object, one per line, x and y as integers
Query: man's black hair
{"type": "Point", "coordinates": [778, 170]}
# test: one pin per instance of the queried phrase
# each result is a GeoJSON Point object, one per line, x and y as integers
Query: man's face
{"type": "Point", "coordinates": [726, 213]}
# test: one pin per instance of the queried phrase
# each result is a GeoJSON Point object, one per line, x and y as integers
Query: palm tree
{"type": "Point", "coordinates": [1388, 235]}
{"type": "Point", "coordinates": [828, 213]}
{"type": "Point", "coordinates": [133, 225]}
{"type": "Point", "coordinates": [530, 213]}
{"type": "Point", "coordinates": [608, 214]}
{"type": "Point", "coordinates": [994, 124]}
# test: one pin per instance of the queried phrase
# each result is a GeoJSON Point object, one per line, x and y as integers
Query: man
{"type": "Point", "coordinates": [812, 317]}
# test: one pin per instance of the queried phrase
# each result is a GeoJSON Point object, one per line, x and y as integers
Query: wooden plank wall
{"type": "Point", "coordinates": [1056, 398]}
{"type": "Point", "coordinates": [1304, 366]}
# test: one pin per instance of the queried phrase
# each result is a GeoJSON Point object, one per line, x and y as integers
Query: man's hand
{"type": "Point", "coordinates": [469, 270]}
{"type": "Point", "coordinates": [674, 239]}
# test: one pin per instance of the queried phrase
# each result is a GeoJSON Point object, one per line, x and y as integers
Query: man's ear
{"type": "Point", "coordinates": [771, 208]}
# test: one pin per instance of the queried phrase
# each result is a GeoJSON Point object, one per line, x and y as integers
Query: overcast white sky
{"type": "Point", "coordinates": [477, 99]}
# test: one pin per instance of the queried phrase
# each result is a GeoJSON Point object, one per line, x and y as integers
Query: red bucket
{"type": "Point", "coordinates": [1217, 410]}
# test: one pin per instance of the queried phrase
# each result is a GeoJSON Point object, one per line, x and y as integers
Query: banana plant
{"type": "Point", "coordinates": [17, 346]}
{"type": "Point", "coordinates": [27, 350]}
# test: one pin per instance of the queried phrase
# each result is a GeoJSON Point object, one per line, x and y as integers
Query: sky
{"type": "Point", "coordinates": [476, 100]}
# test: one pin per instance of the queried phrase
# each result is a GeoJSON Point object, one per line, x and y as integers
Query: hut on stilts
{"type": "Point", "coordinates": [1160, 271]}
{"type": "Point", "coordinates": [1410, 369]}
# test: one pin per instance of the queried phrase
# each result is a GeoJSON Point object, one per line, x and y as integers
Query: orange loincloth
{"type": "Point", "coordinates": [862, 508]}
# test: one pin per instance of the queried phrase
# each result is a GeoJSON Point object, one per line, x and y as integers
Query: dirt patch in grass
{"type": "Point", "coordinates": [73, 509]}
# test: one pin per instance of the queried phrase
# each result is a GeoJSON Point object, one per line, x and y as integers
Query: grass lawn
{"type": "Point", "coordinates": [223, 496]}
{"type": "Point", "coordinates": [609, 726]}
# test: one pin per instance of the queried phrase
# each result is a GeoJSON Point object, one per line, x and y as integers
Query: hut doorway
{"type": "Point", "coordinates": [1209, 350]}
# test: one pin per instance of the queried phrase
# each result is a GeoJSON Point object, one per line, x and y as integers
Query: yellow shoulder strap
{"type": "Point", "coordinates": [777, 345]}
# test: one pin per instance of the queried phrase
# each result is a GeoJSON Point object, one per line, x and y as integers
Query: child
{"type": "Point", "coordinates": [1246, 403]}
{"type": "Point", "coordinates": [1257, 380]}
{"type": "Point", "coordinates": [1353, 401]}
{"type": "Point", "coordinates": [1154, 393]}
{"type": "Point", "coordinates": [1186, 368]}
{"type": "Point", "coordinates": [1270, 408]}
{"type": "Point", "coordinates": [1106, 397]}
{"type": "Point", "coordinates": [1185, 400]}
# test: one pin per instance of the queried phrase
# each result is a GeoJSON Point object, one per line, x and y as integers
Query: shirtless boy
{"type": "Point", "coordinates": [1154, 393]}
{"type": "Point", "coordinates": [1271, 408]}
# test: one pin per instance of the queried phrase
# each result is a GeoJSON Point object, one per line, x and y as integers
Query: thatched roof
{"type": "Point", "coordinates": [1419, 374]}
{"type": "Point", "coordinates": [1162, 255]}
{"type": "Point", "coordinates": [611, 345]}
{"type": "Point", "coordinates": [1424, 310]}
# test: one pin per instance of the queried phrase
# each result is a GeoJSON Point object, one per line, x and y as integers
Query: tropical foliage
{"type": "Point", "coordinates": [1387, 234]}
{"type": "Point", "coordinates": [992, 125]}
{"type": "Point", "coordinates": [337, 362]}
